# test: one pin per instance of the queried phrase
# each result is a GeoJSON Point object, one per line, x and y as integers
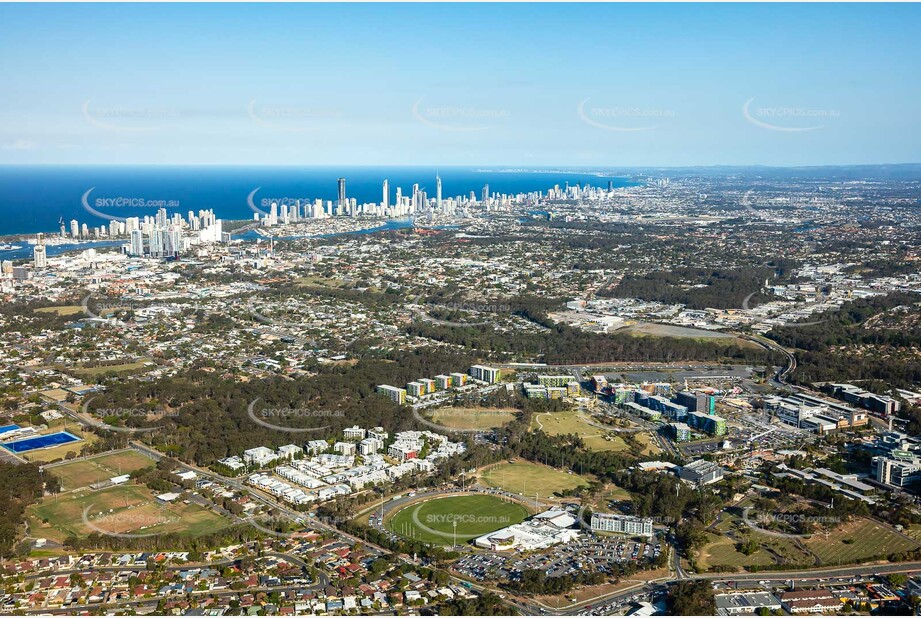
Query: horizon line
{"type": "Point", "coordinates": [565, 167]}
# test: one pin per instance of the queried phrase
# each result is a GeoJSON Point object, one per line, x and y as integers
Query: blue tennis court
{"type": "Point", "coordinates": [46, 441]}
{"type": "Point", "coordinates": [7, 428]}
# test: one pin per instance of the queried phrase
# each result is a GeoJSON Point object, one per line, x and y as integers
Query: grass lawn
{"type": "Point", "coordinates": [650, 329]}
{"type": "Point", "coordinates": [648, 443]}
{"type": "Point", "coordinates": [83, 473]}
{"type": "Point", "coordinates": [530, 478]}
{"type": "Point", "coordinates": [614, 492]}
{"type": "Point", "coordinates": [131, 509]}
{"type": "Point", "coordinates": [850, 543]}
{"type": "Point", "coordinates": [595, 438]}
{"type": "Point", "coordinates": [858, 540]}
{"type": "Point", "coordinates": [63, 310]}
{"type": "Point", "coordinates": [583, 594]}
{"type": "Point", "coordinates": [472, 418]}
{"type": "Point", "coordinates": [432, 521]}
{"type": "Point", "coordinates": [320, 282]}
{"type": "Point", "coordinates": [721, 551]}
{"type": "Point", "coordinates": [720, 548]}
{"type": "Point", "coordinates": [123, 368]}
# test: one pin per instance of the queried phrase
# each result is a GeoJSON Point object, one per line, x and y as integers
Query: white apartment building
{"type": "Point", "coordinates": [621, 524]}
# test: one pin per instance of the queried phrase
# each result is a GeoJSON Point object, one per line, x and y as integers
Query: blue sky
{"type": "Point", "coordinates": [476, 84]}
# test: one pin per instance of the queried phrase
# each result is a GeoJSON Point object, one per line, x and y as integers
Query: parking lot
{"type": "Point", "coordinates": [588, 553]}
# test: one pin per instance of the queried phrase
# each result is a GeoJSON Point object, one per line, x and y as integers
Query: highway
{"type": "Point", "coordinates": [780, 377]}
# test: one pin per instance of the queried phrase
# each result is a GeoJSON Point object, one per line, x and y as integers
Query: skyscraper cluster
{"type": "Point", "coordinates": [160, 235]}
{"type": "Point", "coordinates": [163, 236]}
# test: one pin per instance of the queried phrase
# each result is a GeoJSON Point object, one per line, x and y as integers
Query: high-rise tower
{"type": "Point", "coordinates": [437, 192]}
{"type": "Point", "coordinates": [39, 252]}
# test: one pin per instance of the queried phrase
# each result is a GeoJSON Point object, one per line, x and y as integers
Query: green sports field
{"type": "Point", "coordinates": [526, 478]}
{"type": "Point", "coordinates": [84, 472]}
{"type": "Point", "coordinates": [121, 509]}
{"type": "Point", "coordinates": [432, 521]}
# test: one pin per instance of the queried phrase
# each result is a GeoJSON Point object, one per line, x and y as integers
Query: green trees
{"type": "Point", "coordinates": [20, 486]}
{"type": "Point", "coordinates": [487, 604]}
{"type": "Point", "coordinates": [868, 339]}
{"type": "Point", "coordinates": [691, 598]}
{"type": "Point", "coordinates": [563, 345]}
{"type": "Point", "coordinates": [209, 416]}
{"type": "Point", "coordinates": [696, 288]}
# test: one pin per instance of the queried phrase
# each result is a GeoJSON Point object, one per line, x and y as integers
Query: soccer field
{"type": "Point", "coordinates": [472, 418]}
{"type": "Point", "coordinates": [84, 472]}
{"type": "Point", "coordinates": [526, 478]}
{"type": "Point", "coordinates": [433, 521]}
{"type": "Point", "coordinates": [121, 509]}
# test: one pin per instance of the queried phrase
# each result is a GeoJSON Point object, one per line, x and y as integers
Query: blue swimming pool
{"type": "Point", "coordinates": [7, 428]}
{"type": "Point", "coordinates": [51, 439]}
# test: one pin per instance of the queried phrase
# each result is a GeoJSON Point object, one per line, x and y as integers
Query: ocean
{"type": "Point", "coordinates": [36, 198]}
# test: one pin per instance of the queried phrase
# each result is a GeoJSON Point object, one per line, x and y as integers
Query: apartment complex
{"type": "Point", "coordinates": [490, 375]}
{"type": "Point", "coordinates": [397, 395]}
{"type": "Point", "coordinates": [621, 524]}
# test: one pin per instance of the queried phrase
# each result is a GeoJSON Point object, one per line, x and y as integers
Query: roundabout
{"type": "Point", "coordinates": [446, 520]}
